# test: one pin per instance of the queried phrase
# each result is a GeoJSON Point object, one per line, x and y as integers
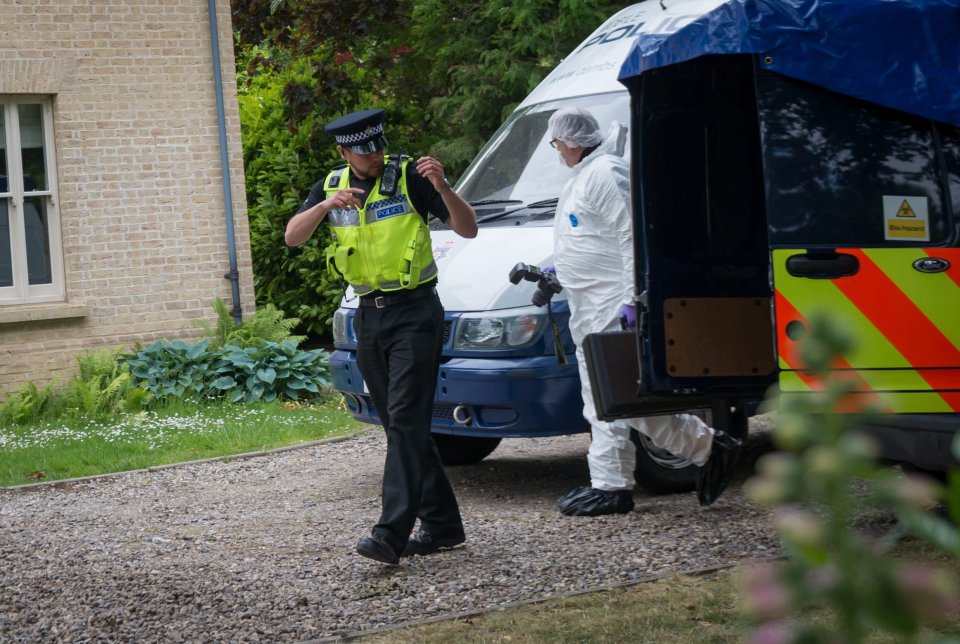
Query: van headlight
{"type": "Point", "coordinates": [505, 329]}
{"type": "Point", "coordinates": [340, 336]}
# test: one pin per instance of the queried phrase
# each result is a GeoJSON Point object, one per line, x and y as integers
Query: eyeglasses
{"type": "Point", "coordinates": [553, 143]}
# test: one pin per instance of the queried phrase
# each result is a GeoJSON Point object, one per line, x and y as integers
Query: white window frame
{"type": "Point", "coordinates": [22, 292]}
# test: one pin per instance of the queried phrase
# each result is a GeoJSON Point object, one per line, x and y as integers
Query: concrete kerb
{"type": "Point", "coordinates": [157, 468]}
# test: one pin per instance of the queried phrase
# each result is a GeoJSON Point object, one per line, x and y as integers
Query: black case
{"type": "Point", "coordinates": [614, 368]}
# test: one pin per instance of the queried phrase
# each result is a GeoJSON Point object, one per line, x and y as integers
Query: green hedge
{"type": "Point", "coordinates": [282, 164]}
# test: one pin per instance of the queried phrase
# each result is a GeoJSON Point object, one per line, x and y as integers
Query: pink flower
{"type": "Point", "coordinates": [766, 596]}
{"type": "Point", "coordinates": [772, 633]}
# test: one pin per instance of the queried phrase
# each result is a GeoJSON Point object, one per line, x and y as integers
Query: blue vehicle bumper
{"type": "Point", "coordinates": [496, 398]}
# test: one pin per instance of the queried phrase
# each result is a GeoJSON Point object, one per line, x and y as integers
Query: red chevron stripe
{"type": "Point", "coordinates": [950, 254]}
{"type": "Point", "coordinates": [904, 325]}
{"type": "Point", "coordinates": [788, 350]}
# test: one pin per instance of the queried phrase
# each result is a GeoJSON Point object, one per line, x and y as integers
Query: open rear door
{"type": "Point", "coordinates": [706, 332]}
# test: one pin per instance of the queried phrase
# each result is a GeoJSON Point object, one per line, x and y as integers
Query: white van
{"type": "Point", "coordinates": [499, 376]}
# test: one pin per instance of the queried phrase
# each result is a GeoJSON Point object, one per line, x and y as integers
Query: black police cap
{"type": "Point", "coordinates": [360, 132]}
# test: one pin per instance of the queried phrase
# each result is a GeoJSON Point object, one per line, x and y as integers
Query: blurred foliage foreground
{"type": "Point", "coordinates": [827, 475]}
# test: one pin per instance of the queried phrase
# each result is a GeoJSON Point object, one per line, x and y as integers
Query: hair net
{"type": "Point", "coordinates": [576, 127]}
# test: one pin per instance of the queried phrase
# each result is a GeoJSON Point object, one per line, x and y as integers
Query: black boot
{"type": "Point", "coordinates": [715, 475]}
{"type": "Point", "coordinates": [586, 501]}
{"type": "Point", "coordinates": [376, 548]}
{"type": "Point", "coordinates": [427, 542]}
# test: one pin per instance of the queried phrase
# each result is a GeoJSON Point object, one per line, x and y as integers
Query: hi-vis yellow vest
{"type": "Point", "coordinates": [385, 246]}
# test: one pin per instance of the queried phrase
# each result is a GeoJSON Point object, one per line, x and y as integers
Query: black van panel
{"type": "Point", "coordinates": [829, 160]}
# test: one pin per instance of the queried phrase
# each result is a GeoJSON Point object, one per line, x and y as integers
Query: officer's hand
{"type": "Point", "coordinates": [549, 269]}
{"type": "Point", "coordinates": [432, 169]}
{"type": "Point", "coordinates": [628, 316]}
{"type": "Point", "coordinates": [345, 200]}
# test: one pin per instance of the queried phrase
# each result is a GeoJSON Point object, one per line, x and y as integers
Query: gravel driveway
{"type": "Point", "coordinates": [261, 549]}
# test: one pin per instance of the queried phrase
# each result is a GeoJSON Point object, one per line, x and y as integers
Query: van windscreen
{"type": "Point", "coordinates": [518, 167]}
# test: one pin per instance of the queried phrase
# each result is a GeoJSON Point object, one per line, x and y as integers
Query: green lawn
{"type": "Point", "coordinates": [76, 447]}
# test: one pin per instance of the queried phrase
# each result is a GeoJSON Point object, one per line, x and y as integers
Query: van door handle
{"type": "Point", "coordinates": [823, 266]}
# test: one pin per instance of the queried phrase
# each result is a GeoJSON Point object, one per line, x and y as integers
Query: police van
{"type": "Point", "coordinates": [792, 161]}
{"type": "Point", "coordinates": [500, 375]}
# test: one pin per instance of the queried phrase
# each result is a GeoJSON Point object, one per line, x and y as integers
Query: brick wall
{"type": "Point", "coordinates": [139, 178]}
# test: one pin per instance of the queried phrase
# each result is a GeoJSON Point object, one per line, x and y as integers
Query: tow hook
{"type": "Point", "coordinates": [461, 415]}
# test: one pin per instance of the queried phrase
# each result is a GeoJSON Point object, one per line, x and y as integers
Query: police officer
{"type": "Point", "coordinates": [377, 207]}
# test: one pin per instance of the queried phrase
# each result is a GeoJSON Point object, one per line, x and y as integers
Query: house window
{"type": "Point", "coordinates": [31, 264]}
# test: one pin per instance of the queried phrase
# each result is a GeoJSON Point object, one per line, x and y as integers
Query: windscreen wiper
{"type": "Point", "coordinates": [536, 205]}
{"type": "Point", "coordinates": [493, 202]}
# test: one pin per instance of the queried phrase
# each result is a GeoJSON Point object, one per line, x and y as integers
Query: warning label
{"type": "Point", "coordinates": [905, 218]}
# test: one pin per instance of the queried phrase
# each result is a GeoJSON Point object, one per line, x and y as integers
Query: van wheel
{"type": "Point", "coordinates": [464, 450]}
{"type": "Point", "coordinates": [660, 472]}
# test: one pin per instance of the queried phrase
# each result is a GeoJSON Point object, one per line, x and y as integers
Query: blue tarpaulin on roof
{"type": "Point", "coordinates": [903, 54]}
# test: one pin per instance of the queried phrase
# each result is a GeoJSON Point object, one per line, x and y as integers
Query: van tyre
{"type": "Point", "coordinates": [660, 472]}
{"type": "Point", "coordinates": [464, 450]}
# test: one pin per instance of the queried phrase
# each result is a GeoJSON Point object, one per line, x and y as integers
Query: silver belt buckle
{"type": "Point", "coordinates": [380, 302]}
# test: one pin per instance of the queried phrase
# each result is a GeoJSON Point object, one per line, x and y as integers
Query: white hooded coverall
{"type": "Point", "coordinates": [593, 254]}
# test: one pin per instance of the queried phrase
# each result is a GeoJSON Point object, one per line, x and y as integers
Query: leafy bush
{"type": "Point", "coordinates": [173, 368]}
{"type": "Point", "coordinates": [270, 371]}
{"type": "Point", "coordinates": [27, 405]}
{"type": "Point", "coordinates": [255, 360]}
{"type": "Point", "coordinates": [267, 324]}
{"type": "Point", "coordinates": [101, 387]}
{"type": "Point", "coordinates": [267, 371]}
{"type": "Point", "coordinates": [282, 162]}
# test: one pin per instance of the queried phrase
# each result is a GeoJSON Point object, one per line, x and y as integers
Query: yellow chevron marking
{"type": "Point", "coordinates": [810, 297]}
{"type": "Point", "coordinates": [879, 379]}
{"type": "Point", "coordinates": [791, 381]}
{"type": "Point", "coordinates": [935, 294]}
{"type": "Point", "coordinates": [899, 402]}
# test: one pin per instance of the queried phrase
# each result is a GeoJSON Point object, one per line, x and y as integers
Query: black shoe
{"type": "Point", "coordinates": [425, 543]}
{"type": "Point", "coordinates": [374, 547]}
{"type": "Point", "coordinates": [715, 475]}
{"type": "Point", "coordinates": [586, 501]}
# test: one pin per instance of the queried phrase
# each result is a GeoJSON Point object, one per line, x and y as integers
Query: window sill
{"type": "Point", "coordinates": [37, 312]}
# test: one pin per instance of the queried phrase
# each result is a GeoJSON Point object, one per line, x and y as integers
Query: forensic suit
{"type": "Point", "coordinates": [593, 251]}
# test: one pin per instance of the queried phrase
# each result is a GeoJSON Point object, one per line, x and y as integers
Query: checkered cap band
{"type": "Point", "coordinates": [370, 132]}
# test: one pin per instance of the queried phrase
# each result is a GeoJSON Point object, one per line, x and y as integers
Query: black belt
{"type": "Point", "coordinates": [396, 297]}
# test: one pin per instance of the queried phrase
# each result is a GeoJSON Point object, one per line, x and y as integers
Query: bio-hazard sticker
{"type": "Point", "coordinates": [905, 218]}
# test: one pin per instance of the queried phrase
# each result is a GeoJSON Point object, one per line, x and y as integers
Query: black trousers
{"type": "Point", "coordinates": [398, 353]}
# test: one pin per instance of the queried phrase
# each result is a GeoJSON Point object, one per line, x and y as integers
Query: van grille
{"type": "Point", "coordinates": [440, 410]}
{"type": "Point", "coordinates": [443, 410]}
